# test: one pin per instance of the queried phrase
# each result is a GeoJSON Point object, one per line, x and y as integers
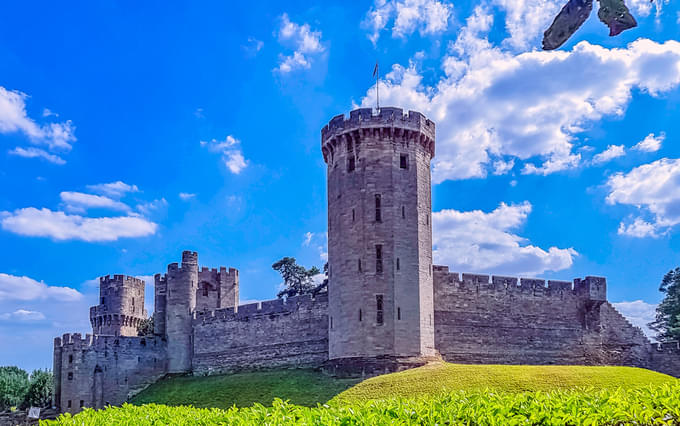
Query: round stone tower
{"type": "Point", "coordinates": [181, 286]}
{"type": "Point", "coordinates": [121, 306]}
{"type": "Point", "coordinates": [379, 234]}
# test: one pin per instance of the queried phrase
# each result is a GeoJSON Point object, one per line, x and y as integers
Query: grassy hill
{"type": "Point", "coordinates": [437, 378]}
{"type": "Point", "coordinates": [309, 387]}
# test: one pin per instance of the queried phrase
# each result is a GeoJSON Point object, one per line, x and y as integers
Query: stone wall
{"type": "Point", "coordinates": [516, 321]}
{"type": "Point", "coordinates": [269, 334]}
{"type": "Point", "coordinates": [665, 357]}
{"type": "Point", "coordinates": [100, 370]}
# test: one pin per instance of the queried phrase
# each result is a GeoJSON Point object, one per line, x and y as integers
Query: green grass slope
{"type": "Point", "coordinates": [437, 378]}
{"type": "Point", "coordinates": [309, 387]}
{"type": "Point", "coordinates": [300, 387]}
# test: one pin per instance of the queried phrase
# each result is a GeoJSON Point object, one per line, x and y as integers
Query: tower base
{"type": "Point", "coordinates": [363, 367]}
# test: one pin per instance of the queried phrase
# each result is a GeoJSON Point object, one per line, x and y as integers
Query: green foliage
{"type": "Point", "coordinates": [145, 328]}
{"type": "Point", "coordinates": [667, 323]}
{"type": "Point", "coordinates": [39, 393]}
{"type": "Point", "coordinates": [300, 386]}
{"type": "Point", "coordinates": [648, 405]}
{"type": "Point", "coordinates": [432, 379]}
{"type": "Point", "coordinates": [17, 390]}
{"type": "Point", "coordinates": [296, 278]}
{"type": "Point", "coordinates": [13, 386]}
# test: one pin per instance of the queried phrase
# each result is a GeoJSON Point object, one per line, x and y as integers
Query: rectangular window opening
{"type": "Point", "coordinates": [353, 215]}
{"type": "Point", "coordinates": [82, 403]}
{"type": "Point", "coordinates": [331, 322]}
{"type": "Point", "coordinates": [205, 291]}
{"type": "Point", "coordinates": [403, 161]}
{"type": "Point", "coordinates": [397, 264]}
{"type": "Point", "coordinates": [359, 264]}
{"type": "Point", "coordinates": [69, 403]}
{"type": "Point", "coordinates": [70, 376]}
{"type": "Point", "coordinates": [403, 212]}
{"type": "Point", "coordinates": [360, 316]}
{"type": "Point", "coordinates": [378, 259]}
{"type": "Point", "coordinates": [379, 309]}
{"type": "Point", "coordinates": [351, 164]}
{"type": "Point", "coordinates": [398, 313]}
{"type": "Point", "coordinates": [378, 209]}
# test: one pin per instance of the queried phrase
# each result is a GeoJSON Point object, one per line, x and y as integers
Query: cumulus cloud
{"type": "Point", "coordinates": [493, 104]}
{"type": "Point", "coordinates": [114, 189]}
{"type": "Point", "coordinates": [186, 196]}
{"type": "Point", "coordinates": [80, 202]}
{"type": "Point", "coordinates": [318, 240]}
{"type": "Point", "coordinates": [651, 143]}
{"type": "Point", "coordinates": [654, 190]}
{"type": "Point", "coordinates": [231, 153]}
{"type": "Point", "coordinates": [23, 315]}
{"type": "Point", "coordinates": [33, 152]}
{"type": "Point", "coordinates": [525, 20]}
{"type": "Point", "coordinates": [150, 207]}
{"type": "Point", "coordinates": [612, 151]}
{"type": "Point", "coordinates": [58, 225]}
{"type": "Point", "coordinates": [407, 16]}
{"type": "Point", "coordinates": [476, 241]}
{"type": "Point", "coordinates": [13, 287]}
{"type": "Point", "coordinates": [14, 118]}
{"type": "Point", "coordinates": [639, 313]}
{"type": "Point", "coordinates": [304, 42]}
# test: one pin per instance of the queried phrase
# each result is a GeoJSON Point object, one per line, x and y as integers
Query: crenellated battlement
{"type": "Point", "coordinates": [75, 341]}
{"type": "Point", "coordinates": [592, 288]}
{"type": "Point", "coordinates": [389, 122]}
{"type": "Point", "coordinates": [119, 280]}
{"type": "Point", "coordinates": [267, 307]}
{"type": "Point", "coordinates": [670, 346]}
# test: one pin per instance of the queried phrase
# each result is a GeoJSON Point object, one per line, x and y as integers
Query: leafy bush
{"type": "Point", "coordinates": [658, 404]}
{"type": "Point", "coordinates": [20, 391]}
{"type": "Point", "coordinates": [39, 393]}
{"type": "Point", "coordinates": [13, 387]}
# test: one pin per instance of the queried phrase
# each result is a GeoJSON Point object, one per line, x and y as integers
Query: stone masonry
{"type": "Point", "coordinates": [387, 306]}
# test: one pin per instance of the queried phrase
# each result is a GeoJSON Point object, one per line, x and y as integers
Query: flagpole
{"type": "Point", "coordinates": [377, 86]}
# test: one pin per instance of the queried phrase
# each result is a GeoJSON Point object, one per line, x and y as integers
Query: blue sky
{"type": "Point", "coordinates": [132, 131]}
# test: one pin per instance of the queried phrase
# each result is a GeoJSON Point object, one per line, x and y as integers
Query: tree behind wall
{"type": "Point", "coordinates": [13, 387]}
{"type": "Point", "coordinates": [296, 278]}
{"type": "Point", "coordinates": [667, 323]}
{"type": "Point", "coordinates": [39, 393]}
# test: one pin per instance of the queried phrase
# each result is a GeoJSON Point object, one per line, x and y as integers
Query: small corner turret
{"type": "Point", "coordinates": [121, 306]}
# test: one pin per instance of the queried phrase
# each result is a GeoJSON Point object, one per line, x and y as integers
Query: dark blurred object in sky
{"type": "Point", "coordinates": [612, 13]}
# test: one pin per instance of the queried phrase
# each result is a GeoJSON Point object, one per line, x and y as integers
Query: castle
{"type": "Point", "coordinates": [387, 307]}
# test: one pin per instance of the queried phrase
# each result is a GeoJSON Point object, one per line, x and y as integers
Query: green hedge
{"type": "Point", "coordinates": [658, 404]}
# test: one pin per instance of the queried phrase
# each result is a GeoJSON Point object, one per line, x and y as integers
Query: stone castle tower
{"type": "Point", "coordinates": [178, 294]}
{"type": "Point", "coordinates": [121, 306]}
{"type": "Point", "coordinates": [379, 234]}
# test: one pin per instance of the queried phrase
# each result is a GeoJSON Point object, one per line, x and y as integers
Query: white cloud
{"type": "Point", "coordinates": [253, 46]}
{"type": "Point", "coordinates": [186, 196]}
{"type": "Point", "coordinates": [304, 42]}
{"type": "Point", "coordinates": [32, 152]}
{"type": "Point", "coordinates": [114, 189]}
{"type": "Point", "coordinates": [231, 153]}
{"type": "Point", "coordinates": [654, 189]}
{"type": "Point", "coordinates": [14, 118]}
{"type": "Point", "coordinates": [475, 241]}
{"type": "Point", "coordinates": [492, 104]}
{"type": "Point", "coordinates": [651, 143]}
{"type": "Point", "coordinates": [308, 238]}
{"type": "Point", "coordinates": [24, 288]}
{"type": "Point", "coordinates": [639, 228]}
{"type": "Point", "coordinates": [639, 313]}
{"type": "Point", "coordinates": [23, 315]}
{"type": "Point", "coordinates": [525, 20]}
{"type": "Point", "coordinates": [407, 16]}
{"type": "Point", "coordinates": [612, 151]}
{"type": "Point", "coordinates": [80, 202]}
{"type": "Point", "coordinates": [152, 206]}
{"type": "Point", "coordinates": [58, 225]}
